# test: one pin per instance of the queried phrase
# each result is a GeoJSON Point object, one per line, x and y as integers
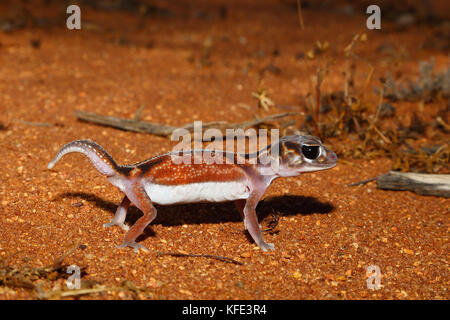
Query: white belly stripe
{"type": "Point", "coordinates": [197, 192]}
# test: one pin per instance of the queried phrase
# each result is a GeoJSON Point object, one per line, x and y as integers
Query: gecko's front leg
{"type": "Point", "coordinates": [141, 200]}
{"type": "Point", "coordinates": [251, 221]}
{"type": "Point", "coordinates": [240, 205]}
{"type": "Point", "coordinates": [119, 217]}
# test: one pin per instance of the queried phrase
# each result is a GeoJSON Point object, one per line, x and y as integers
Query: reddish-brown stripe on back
{"type": "Point", "coordinates": [169, 173]}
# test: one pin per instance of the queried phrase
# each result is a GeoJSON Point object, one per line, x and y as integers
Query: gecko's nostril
{"type": "Point", "coordinates": [333, 156]}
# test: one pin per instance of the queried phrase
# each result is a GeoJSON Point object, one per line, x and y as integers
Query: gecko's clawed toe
{"type": "Point", "coordinates": [136, 246]}
{"type": "Point", "coordinates": [114, 223]}
{"type": "Point", "coordinates": [266, 246]}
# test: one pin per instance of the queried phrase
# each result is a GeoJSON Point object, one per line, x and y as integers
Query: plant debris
{"type": "Point", "coordinates": [273, 223]}
{"type": "Point", "coordinates": [428, 87]}
{"type": "Point", "coordinates": [23, 277]}
{"type": "Point", "coordinates": [263, 100]}
{"type": "Point", "coordinates": [354, 114]}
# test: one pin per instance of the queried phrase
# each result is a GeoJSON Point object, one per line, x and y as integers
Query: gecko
{"type": "Point", "coordinates": [160, 180]}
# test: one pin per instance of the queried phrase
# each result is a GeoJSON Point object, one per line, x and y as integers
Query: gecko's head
{"type": "Point", "coordinates": [304, 154]}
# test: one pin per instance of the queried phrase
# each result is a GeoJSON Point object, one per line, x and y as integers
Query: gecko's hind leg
{"type": "Point", "coordinates": [240, 204]}
{"type": "Point", "coordinates": [143, 202]}
{"type": "Point", "coordinates": [121, 213]}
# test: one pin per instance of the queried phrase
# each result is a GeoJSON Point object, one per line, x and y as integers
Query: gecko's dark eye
{"type": "Point", "coordinates": [311, 152]}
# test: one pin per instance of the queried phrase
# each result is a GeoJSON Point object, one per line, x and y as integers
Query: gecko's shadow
{"type": "Point", "coordinates": [200, 213]}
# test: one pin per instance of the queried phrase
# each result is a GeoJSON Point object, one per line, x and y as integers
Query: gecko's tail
{"type": "Point", "coordinates": [98, 156]}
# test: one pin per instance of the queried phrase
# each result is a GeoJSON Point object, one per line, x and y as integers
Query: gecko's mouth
{"type": "Point", "coordinates": [326, 166]}
{"type": "Point", "coordinates": [317, 167]}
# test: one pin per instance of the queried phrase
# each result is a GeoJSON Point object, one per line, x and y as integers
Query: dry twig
{"type": "Point", "coordinates": [136, 125]}
{"type": "Point", "coordinates": [423, 184]}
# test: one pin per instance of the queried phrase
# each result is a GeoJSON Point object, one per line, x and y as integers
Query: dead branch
{"type": "Point", "coordinates": [420, 183]}
{"type": "Point", "coordinates": [136, 125]}
{"type": "Point", "coordinates": [423, 184]}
